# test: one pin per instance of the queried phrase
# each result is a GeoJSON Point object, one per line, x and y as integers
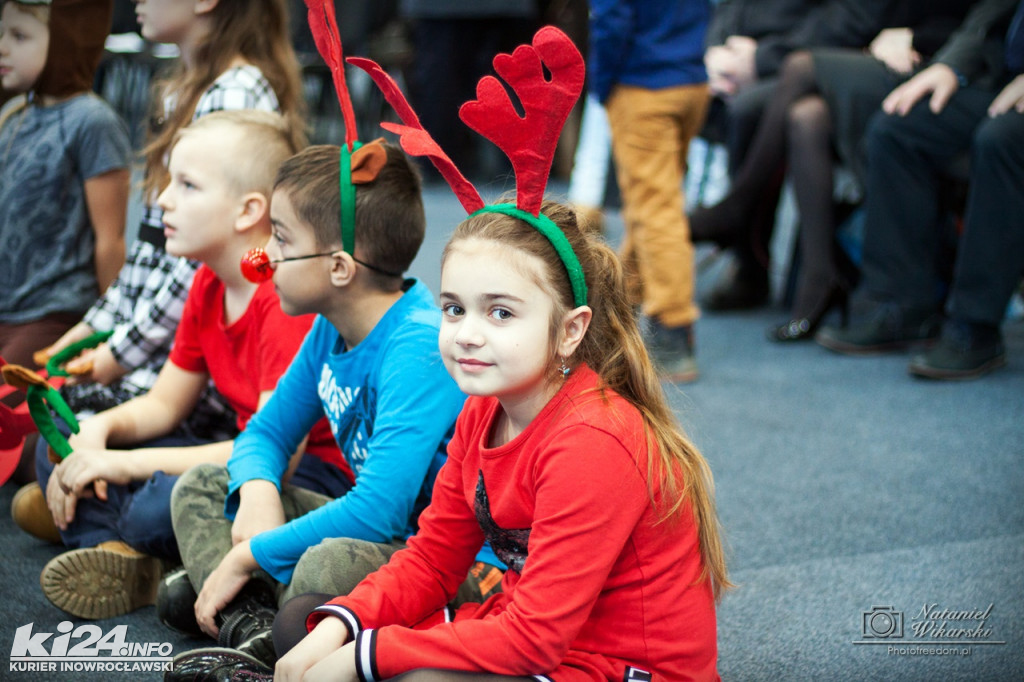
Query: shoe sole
{"type": "Point", "coordinates": [37, 522]}
{"type": "Point", "coordinates": [96, 583]}
{"type": "Point", "coordinates": [926, 372]}
{"type": "Point", "coordinates": [843, 348]}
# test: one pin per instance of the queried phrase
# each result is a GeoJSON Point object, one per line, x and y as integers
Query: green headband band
{"type": "Point", "coordinates": [347, 193]}
{"type": "Point", "coordinates": [547, 227]}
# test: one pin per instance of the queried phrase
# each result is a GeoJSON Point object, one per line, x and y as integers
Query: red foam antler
{"type": "Point", "coordinates": [324, 26]}
{"type": "Point", "coordinates": [415, 140]}
{"type": "Point", "coordinates": [529, 141]}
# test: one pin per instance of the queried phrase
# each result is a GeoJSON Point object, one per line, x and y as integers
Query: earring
{"type": "Point", "coordinates": [564, 369]}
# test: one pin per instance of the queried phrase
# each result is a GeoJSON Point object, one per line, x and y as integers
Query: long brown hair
{"type": "Point", "coordinates": [614, 349]}
{"type": "Point", "coordinates": [254, 30]}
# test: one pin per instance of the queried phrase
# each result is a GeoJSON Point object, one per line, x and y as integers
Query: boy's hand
{"type": "Point", "coordinates": [320, 655]}
{"type": "Point", "coordinates": [223, 585]}
{"type": "Point", "coordinates": [259, 509]}
{"type": "Point", "coordinates": [61, 504]}
{"type": "Point", "coordinates": [86, 467]}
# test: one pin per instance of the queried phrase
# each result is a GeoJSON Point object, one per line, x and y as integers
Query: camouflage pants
{"type": "Point", "coordinates": [334, 566]}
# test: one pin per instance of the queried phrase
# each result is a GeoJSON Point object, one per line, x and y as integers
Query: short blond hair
{"type": "Point", "coordinates": [265, 140]}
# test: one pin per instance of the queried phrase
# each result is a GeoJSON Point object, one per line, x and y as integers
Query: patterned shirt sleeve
{"type": "Point", "coordinates": [144, 304]}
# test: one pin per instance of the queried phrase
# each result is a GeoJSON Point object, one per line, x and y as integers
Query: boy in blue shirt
{"type": "Point", "coordinates": [370, 363]}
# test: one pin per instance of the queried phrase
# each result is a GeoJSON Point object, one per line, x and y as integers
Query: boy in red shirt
{"type": "Point", "coordinates": [113, 506]}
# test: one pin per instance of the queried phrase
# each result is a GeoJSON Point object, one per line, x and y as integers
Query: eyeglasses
{"type": "Point", "coordinates": [256, 264]}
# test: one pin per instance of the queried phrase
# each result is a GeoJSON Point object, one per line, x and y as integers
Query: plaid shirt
{"type": "Point", "coordinates": [145, 302]}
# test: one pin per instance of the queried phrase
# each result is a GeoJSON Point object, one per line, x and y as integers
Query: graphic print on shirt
{"type": "Point", "coordinates": [509, 544]}
{"type": "Point", "coordinates": [350, 413]}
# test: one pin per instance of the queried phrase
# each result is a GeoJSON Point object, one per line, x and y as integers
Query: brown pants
{"type": "Point", "coordinates": [651, 133]}
{"type": "Point", "coordinates": [19, 341]}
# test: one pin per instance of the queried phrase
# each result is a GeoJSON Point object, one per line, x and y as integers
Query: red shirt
{"type": "Point", "coordinates": [595, 585]}
{"type": "Point", "coordinates": [248, 356]}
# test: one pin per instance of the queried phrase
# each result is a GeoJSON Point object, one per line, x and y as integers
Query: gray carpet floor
{"type": "Point", "coordinates": [854, 499]}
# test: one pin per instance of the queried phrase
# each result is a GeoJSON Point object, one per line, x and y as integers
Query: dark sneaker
{"type": "Point", "coordinates": [176, 602]}
{"type": "Point", "coordinates": [889, 327]}
{"type": "Point", "coordinates": [105, 581]}
{"type": "Point", "coordinates": [217, 664]}
{"type": "Point", "coordinates": [965, 351]}
{"type": "Point", "coordinates": [248, 627]}
{"type": "Point", "coordinates": [672, 350]}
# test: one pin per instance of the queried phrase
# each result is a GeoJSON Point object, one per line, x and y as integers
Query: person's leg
{"type": "Point", "coordinates": [810, 168]}
{"type": "Point", "coordinates": [988, 263]}
{"type": "Point", "coordinates": [766, 155]}
{"type": "Point", "coordinates": [906, 157]}
{"type": "Point", "coordinates": [290, 622]}
{"type": "Point", "coordinates": [651, 131]}
{"type": "Point", "coordinates": [337, 565]}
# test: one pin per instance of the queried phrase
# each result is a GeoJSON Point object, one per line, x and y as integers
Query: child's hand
{"type": "Point", "coordinates": [223, 585]}
{"type": "Point", "coordinates": [61, 504]}
{"type": "Point", "coordinates": [320, 655]}
{"type": "Point", "coordinates": [86, 467]}
{"type": "Point", "coordinates": [259, 510]}
{"type": "Point", "coordinates": [105, 369]}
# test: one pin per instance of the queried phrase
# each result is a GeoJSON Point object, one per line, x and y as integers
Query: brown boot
{"type": "Point", "coordinates": [105, 581]}
{"type": "Point", "coordinates": [30, 513]}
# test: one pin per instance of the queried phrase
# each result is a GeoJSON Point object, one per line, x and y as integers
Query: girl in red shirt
{"type": "Point", "coordinates": [567, 458]}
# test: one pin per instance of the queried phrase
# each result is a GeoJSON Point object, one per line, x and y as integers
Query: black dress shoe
{"type": "Point", "coordinates": [804, 328]}
{"type": "Point", "coordinates": [964, 351]}
{"type": "Point", "coordinates": [215, 664]}
{"type": "Point", "coordinates": [888, 327]}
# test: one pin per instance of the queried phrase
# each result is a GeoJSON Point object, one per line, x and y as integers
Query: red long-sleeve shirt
{"type": "Point", "coordinates": [595, 587]}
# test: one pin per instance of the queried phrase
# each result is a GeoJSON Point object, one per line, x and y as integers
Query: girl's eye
{"type": "Point", "coordinates": [187, 185]}
{"type": "Point", "coordinates": [277, 237]}
{"type": "Point", "coordinates": [501, 314]}
{"type": "Point", "coordinates": [452, 310]}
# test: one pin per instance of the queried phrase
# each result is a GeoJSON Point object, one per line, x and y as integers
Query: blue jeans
{"type": "Point", "coordinates": [138, 513]}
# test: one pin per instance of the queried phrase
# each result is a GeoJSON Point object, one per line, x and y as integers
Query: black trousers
{"type": "Point", "coordinates": [907, 157]}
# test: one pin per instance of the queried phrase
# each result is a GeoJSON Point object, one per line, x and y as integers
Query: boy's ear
{"type": "Point", "coordinates": [254, 210]}
{"type": "Point", "coordinates": [574, 328]}
{"type": "Point", "coordinates": [343, 268]}
{"type": "Point", "coordinates": [205, 6]}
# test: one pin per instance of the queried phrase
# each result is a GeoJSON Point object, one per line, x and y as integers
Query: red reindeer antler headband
{"type": "Point", "coordinates": [357, 163]}
{"type": "Point", "coordinates": [529, 141]}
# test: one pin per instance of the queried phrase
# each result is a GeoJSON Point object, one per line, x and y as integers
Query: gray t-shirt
{"type": "Point", "coordinates": [46, 237]}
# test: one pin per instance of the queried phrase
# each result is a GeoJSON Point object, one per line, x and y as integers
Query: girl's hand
{"type": "Point", "coordinates": [223, 585]}
{"type": "Point", "coordinates": [320, 652]}
{"type": "Point", "coordinates": [1010, 97]}
{"type": "Point", "coordinates": [894, 47]}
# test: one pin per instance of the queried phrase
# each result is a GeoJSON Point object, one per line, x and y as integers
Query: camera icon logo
{"type": "Point", "coordinates": [883, 622]}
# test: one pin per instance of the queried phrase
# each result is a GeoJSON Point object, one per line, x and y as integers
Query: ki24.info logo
{"type": "Point", "coordinates": [86, 648]}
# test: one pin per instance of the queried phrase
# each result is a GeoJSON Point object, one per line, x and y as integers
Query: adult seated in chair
{"type": "Point", "coordinates": [926, 122]}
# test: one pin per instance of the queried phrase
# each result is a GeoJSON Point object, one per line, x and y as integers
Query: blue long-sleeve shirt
{"type": "Point", "coordinates": [651, 44]}
{"type": "Point", "coordinates": [392, 408]}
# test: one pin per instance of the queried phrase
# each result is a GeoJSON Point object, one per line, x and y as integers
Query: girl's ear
{"type": "Point", "coordinates": [255, 208]}
{"type": "Point", "coordinates": [574, 328]}
{"type": "Point", "coordinates": [205, 6]}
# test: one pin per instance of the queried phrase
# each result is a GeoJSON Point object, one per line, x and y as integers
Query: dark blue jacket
{"type": "Point", "coordinates": [647, 43]}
